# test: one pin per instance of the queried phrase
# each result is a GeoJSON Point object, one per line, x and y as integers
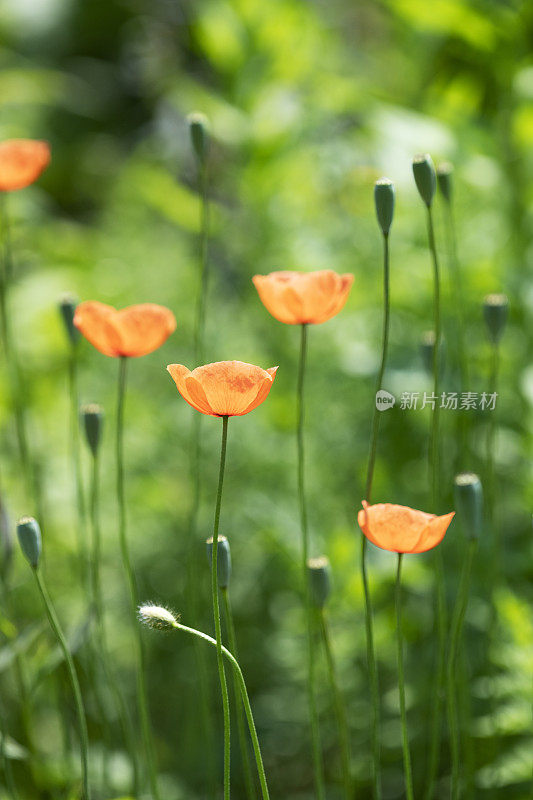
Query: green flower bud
{"type": "Point", "coordinates": [445, 180]}
{"type": "Point", "coordinates": [495, 311]}
{"type": "Point", "coordinates": [223, 560]}
{"type": "Point", "coordinates": [199, 133]}
{"type": "Point", "coordinates": [384, 201]}
{"type": "Point", "coordinates": [29, 536]}
{"type": "Point", "coordinates": [67, 309]}
{"type": "Point", "coordinates": [468, 493]}
{"type": "Point", "coordinates": [157, 617]}
{"type": "Point", "coordinates": [93, 422]}
{"type": "Point", "coordinates": [425, 178]}
{"type": "Point", "coordinates": [318, 570]}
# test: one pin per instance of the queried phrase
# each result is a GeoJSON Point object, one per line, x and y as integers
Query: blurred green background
{"type": "Point", "coordinates": [309, 102]}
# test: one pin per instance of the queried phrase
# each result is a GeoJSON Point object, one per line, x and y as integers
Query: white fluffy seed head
{"type": "Point", "coordinates": [157, 617]}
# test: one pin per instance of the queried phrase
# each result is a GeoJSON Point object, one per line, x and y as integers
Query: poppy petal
{"type": "Point", "coordinates": [180, 376]}
{"type": "Point", "coordinates": [393, 527]}
{"type": "Point", "coordinates": [144, 328]}
{"type": "Point", "coordinates": [21, 162]}
{"type": "Point", "coordinates": [264, 389]}
{"type": "Point", "coordinates": [434, 532]}
{"type": "Point", "coordinates": [96, 321]}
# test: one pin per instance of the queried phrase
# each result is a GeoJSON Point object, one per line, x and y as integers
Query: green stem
{"type": "Point", "coordinates": [5, 760]}
{"type": "Point", "coordinates": [76, 459]}
{"type": "Point", "coordinates": [99, 614]}
{"type": "Point", "coordinates": [369, 624]}
{"type": "Point", "coordinates": [311, 689]}
{"type": "Point", "coordinates": [455, 639]}
{"type": "Point", "coordinates": [13, 367]}
{"type": "Point", "coordinates": [216, 611]}
{"type": "Point", "coordinates": [434, 455]}
{"type": "Point", "coordinates": [401, 684]}
{"type": "Point", "coordinates": [142, 699]}
{"type": "Point", "coordinates": [195, 464]}
{"type": "Point", "coordinates": [248, 780]}
{"type": "Point", "coordinates": [342, 724]}
{"type": "Point", "coordinates": [80, 713]}
{"type": "Point", "coordinates": [245, 700]}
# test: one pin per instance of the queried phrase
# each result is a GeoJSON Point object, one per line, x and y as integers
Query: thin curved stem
{"type": "Point", "coordinates": [342, 724]}
{"type": "Point", "coordinates": [99, 614]}
{"type": "Point", "coordinates": [401, 684]}
{"type": "Point", "coordinates": [369, 624]}
{"type": "Point", "coordinates": [455, 639]}
{"type": "Point", "coordinates": [311, 688]}
{"type": "Point", "coordinates": [232, 639]}
{"type": "Point", "coordinates": [434, 471]}
{"type": "Point", "coordinates": [245, 700]}
{"type": "Point", "coordinates": [142, 698]}
{"type": "Point", "coordinates": [76, 459]}
{"type": "Point", "coordinates": [216, 611]}
{"type": "Point", "coordinates": [80, 712]}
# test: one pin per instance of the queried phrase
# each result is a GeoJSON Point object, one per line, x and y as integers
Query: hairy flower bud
{"type": "Point", "coordinates": [425, 178]}
{"type": "Point", "coordinates": [384, 201]}
{"type": "Point", "coordinates": [223, 560]}
{"type": "Point", "coordinates": [468, 493]}
{"type": "Point", "coordinates": [495, 311]}
{"type": "Point", "coordinates": [92, 416]}
{"type": "Point", "coordinates": [318, 570]}
{"type": "Point", "coordinates": [199, 133]}
{"type": "Point", "coordinates": [67, 309]}
{"type": "Point", "coordinates": [29, 536]}
{"type": "Point", "coordinates": [157, 617]}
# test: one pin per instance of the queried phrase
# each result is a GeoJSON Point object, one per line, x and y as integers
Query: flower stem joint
{"type": "Point", "coordinates": [425, 177]}
{"type": "Point", "coordinates": [495, 311]}
{"type": "Point", "coordinates": [67, 309]}
{"type": "Point", "coordinates": [29, 536]}
{"type": "Point", "coordinates": [199, 133]}
{"type": "Point", "coordinates": [319, 573]}
{"type": "Point", "coordinates": [384, 194]}
{"type": "Point", "coordinates": [223, 560]}
{"type": "Point", "coordinates": [92, 417]}
{"type": "Point", "coordinates": [468, 493]}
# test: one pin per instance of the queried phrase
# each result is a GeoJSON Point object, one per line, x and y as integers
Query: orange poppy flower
{"type": "Point", "coordinates": [401, 529]}
{"type": "Point", "coordinates": [226, 388]}
{"type": "Point", "coordinates": [21, 162]}
{"type": "Point", "coordinates": [303, 297]}
{"type": "Point", "coordinates": [132, 331]}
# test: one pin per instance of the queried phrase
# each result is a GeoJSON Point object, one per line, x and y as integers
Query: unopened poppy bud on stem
{"type": "Point", "coordinates": [495, 311]}
{"type": "Point", "coordinates": [384, 202]}
{"type": "Point", "coordinates": [223, 560]}
{"type": "Point", "coordinates": [67, 309]}
{"type": "Point", "coordinates": [199, 132]}
{"type": "Point", "coordinates": [445, 180]}
{"type": "Point", "coordinates": [29, 536]}
{"type": "Point", "coordinates": [468, 494]}
{"type": "Point", "coordinates": [92, 416]}
{"type": "Point", "coordinates": [425, 178]}
{"type": "Point", "coordinates": [157, 617]}
{"type": "Point", "coordinates": [319, 580]}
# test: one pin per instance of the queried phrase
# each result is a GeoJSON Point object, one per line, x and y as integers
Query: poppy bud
{"type": "Point", "coordinates": [445, 180]}
{"type": "Point", "coordinates": [425, 178]}
{"type": "Point", "coordinates": [93, 422]}
{"type": "Point", "coordinates": [318, 570]}
{"type": "Point", "coordinates": [199, 133]}
{"type": "Point", "coordinates": [223, 560]}
{"type": "Point", "coordinates": [468, 493]}
{"type": "Point", "coordinates": [495, 310]}
{"type": "Point", "coordinates": [67, 309]}
{"type": "Point", "coordinates": [157, 617]}
{"type": "Point", "coordinates": [384, 202]}
{"type": "Point", "coordinates": [29, 536]}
